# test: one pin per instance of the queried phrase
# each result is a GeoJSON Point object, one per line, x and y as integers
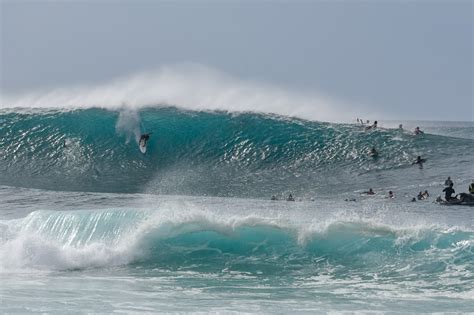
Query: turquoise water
{"type": "Point", "coordinates": [89, 224]}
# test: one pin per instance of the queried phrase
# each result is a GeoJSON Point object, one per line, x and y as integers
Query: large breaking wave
{"type": "Point", "coordinates": [204, 153]}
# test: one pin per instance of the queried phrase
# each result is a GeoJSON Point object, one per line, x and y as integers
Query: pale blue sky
{"type": "Point", "coordinates": [406, 59]}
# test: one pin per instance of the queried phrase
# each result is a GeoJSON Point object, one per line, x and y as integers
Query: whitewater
{"type": "Point", "coordinates": [90, 224]}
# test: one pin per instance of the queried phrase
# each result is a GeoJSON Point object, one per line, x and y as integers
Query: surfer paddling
{"type": "Point", "coordinates": [418, 131]}
{"type": "Point", "coordinates": [369, 192]}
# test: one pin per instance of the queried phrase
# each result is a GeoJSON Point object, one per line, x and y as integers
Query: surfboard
{"type": "Point", "coordinates": [142, 146]}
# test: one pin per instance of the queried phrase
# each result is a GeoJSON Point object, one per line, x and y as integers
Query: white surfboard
{"type": "Point", "coordinates": [142, 146]}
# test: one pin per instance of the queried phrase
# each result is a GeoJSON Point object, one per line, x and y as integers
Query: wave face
{"type": "Point", "coordinates": [208, 153]}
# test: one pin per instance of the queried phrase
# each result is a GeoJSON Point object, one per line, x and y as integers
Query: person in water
{"type": "Point", "coordinates": [373, 152]}
{"type": "Point", "coordinates": [390, 195]}
{"type": "Point", "coordinates": [418, 131]}
{"type": "Point", "coordinates": [471, 188]}
{"type": "Point", "coordinates": [290, 198]}
{"type": "Point", "coordinates": [449, 191]}
{"type": "Point", "coordinates": [448, 181]}
{"type": "Point", "coordinates": [400, 127]}
{"type": "Point", "coordinates": [374, 126]}
{"type": "Point", "coordinates": [419, 161]}
{"type": "Point", "coordinates": [369, 192]}
{"type": "Point", "coordinates": [420, 196]}
{"type": "Point", "coordinates": [426, 194]}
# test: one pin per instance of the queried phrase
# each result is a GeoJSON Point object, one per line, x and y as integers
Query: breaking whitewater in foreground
{"type": "Point", "coordinates": [90, 224]}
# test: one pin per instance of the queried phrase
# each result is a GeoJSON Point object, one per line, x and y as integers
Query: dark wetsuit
{"type": "Point", "coordinates": [144, 139]}
{"type": "Point", "coordinates": [419, 161]}
{"type": "Point", "coordinates": [448, 192]}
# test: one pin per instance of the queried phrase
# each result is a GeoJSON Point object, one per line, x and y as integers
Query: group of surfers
{"type": "Point", "coordinates": [448, 191]}
{"type": "Point", "coordinates": [368, 126]}
{"type": "Point", "coordinates": [374, 153]}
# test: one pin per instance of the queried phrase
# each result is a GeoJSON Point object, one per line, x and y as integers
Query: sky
{"type": "Point", "coordinates": [393, 59]}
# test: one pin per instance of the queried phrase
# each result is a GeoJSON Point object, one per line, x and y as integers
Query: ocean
{"type": "Point", "coordinates": [89, 224]}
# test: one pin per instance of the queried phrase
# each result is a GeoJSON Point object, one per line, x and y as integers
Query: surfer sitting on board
{"type": "Point", "coordinates": [448, 192]}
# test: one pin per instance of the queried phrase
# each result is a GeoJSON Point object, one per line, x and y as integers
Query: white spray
{"type": "Point", "coordinates": [192, 87]}
{"type": "Point", "coordinates": [128, 123]}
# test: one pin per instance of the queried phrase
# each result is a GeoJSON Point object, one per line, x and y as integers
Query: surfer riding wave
{"type": "Point", "coordinates": [143, 141]}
